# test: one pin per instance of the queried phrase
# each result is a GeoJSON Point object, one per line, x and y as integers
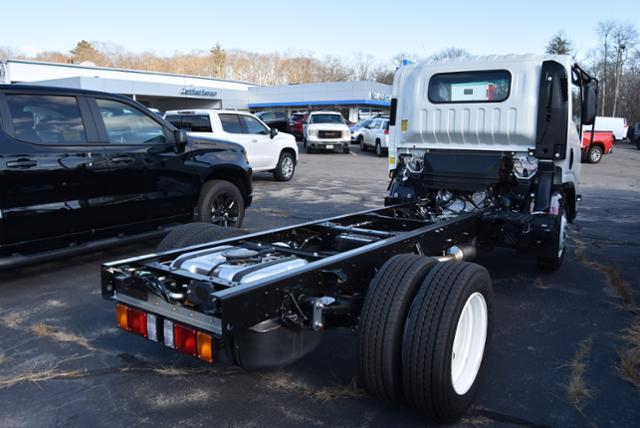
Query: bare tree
{"type": "Point", "coordinates": [364, 66]}
{"type": "Point", "coordinates": [605, 31]}
{"type": "Point", "coordinates": [625, 38]}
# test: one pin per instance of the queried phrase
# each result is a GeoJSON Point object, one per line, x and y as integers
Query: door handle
{"type": "Point", "coordinates": [122, 159]}
{"type": "Point", "coordinates": [22, 163]}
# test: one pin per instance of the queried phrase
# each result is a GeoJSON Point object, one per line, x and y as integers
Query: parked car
{"type": "Point", "coordinates": [274, 119]}
{"type": "Point", "coordinates": [82, 170]}
{"type": "Point", "coordinates": [592, 151]}
{"type": "Point", "coordinates": [267, 149]}
{"type": "Point", "coordinates": [326, 130]}
{"type": "Point", "coordinates": [376, 136]}
{"type": "Point", "coordinates": [356, 130]}
{"type": "Point", "coordinates": [296, 124]}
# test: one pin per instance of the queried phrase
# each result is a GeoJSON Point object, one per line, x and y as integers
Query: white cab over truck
{"type": "Point", "coordinates": [470, 171]}
{"type": "Point", "coordinates": [267, 149]}
{"type": "Point", "coordinates": [499, 131]}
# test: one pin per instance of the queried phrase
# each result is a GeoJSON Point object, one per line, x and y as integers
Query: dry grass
{"type": "Point", "coordinates": [577, 390]}
{"type": "Point", "coordinates": [614, 276]}
{"type": "Point", "coordinates": [629, 364]}
{"type": "Point", "coordinates": [61, 336]}
{"type": "Point", "coordinates": [13, 320]}
{"type": "Point", "coordinates": [284, 382]}
{"type": "Point", "coordinates": [42, 374]}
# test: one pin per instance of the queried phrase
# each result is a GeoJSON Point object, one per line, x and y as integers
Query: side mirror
{"type": "Point", "coordinates": [180, 139]}
{"type": "Point", "coordinates": [589, 103]}
{"type": "Point", "coordinates": [273, 132]}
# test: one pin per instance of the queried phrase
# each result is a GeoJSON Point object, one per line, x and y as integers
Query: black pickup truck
{"type": "Point", "coordinates": [82, 170]}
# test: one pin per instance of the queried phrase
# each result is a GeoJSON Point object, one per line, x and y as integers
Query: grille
{"type": "Point", "coordinates": [329, 134]}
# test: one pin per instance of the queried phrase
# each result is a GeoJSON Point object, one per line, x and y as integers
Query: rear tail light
{"type": "Point", "coordinates": [167, 329]}
{"type": "Point", "coordinates": [386, 132]}
{"type": "Point", "coordinates": [131, 319]}
{"type": "Point", "coordinates": [205, 347]}
{"type": "Point", "coordinates": [121, 316]}
{"type": "Point", "coordinates": [152, 327]}
{"type": "Point", "coordinates": [177, 336]}
{"type": "Point", "coordinates": [185, 339]}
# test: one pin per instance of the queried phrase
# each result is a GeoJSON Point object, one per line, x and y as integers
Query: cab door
{"type": "Point", "coordinates": [252, 135]}
{"type": "Point", "coordinates": [49, 161]}
{"type": "Point", "coordinates": [147, 180]}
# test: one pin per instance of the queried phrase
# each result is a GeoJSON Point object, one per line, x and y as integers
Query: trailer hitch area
{"type": "Point", "coordinates": [318, 306]}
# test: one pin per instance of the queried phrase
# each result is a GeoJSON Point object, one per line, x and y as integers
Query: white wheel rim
{"type": "Point", "coordinates": [469, 343]}
{"type": "Point", "coordinates": [564, 232]}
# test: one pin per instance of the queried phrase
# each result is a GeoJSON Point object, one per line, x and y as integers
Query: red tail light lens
{"type": "Point", "coordinates": [386, 132]}
{"type": "Point", "coordinates": [185, 339]}
{"type": "Point", "coordinates": [137, 321]}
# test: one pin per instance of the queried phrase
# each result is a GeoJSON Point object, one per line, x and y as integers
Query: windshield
{"type": "Point", "coordinates": [327, 118]}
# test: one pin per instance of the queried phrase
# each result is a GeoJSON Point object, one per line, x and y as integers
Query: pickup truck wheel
{"type": "Point", "coordinates": [346, 150]}
{"type": "Point", "coordinates": [363, 146]}
{"type": "Point", "coordinates": [285, 168]}
{"type": "Point", "coordinates": [445, 338]}
{"type": "Point", "coordinates": [382, 323]}
{"type": "Point", "coordinates": [553, 263]}
{"type": "Point", "coordinates": [195, 233]}
{"type": "Point", "coordinates": [595, 154]}
{"type": "Point", "coordinates": [378, 149]}
{"type": "Point", "coordinates": [221, 203]}
{"type": "Point", "coordinates": [309, 149]}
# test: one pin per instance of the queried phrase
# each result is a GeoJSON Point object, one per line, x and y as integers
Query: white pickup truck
{"type": "Point", "coordinates": [326, 130]}
{"type": "Point", "coordinates": [267, 149]}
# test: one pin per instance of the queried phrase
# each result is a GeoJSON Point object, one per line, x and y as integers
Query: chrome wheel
{"type": "Point", "coordinates": [225, 210]}
{"type": "Point", "coordinates": [595, 154]}
{"type": "Point", "coordinates": [286, 168]}
{"type": "Point", "coordinates": [469, 343]}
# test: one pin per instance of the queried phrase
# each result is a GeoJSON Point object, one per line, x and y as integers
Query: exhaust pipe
{"type": "Point", "coordinates": [459, 253]}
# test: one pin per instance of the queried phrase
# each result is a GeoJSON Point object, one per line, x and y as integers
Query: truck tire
{"type": "Point", "coordinates": [346, 150]}
{"type": "Point", "coordinates": [363, 146]}
{"type": "Point", "coordinates": [382, 322]}
{"type": "Point", "coordinates": [285, 168]}
{"type": "Point", "coordinates": [220, 203]}
{"type": "Point", "coordinates": [445, 338]}
{"type": "Point", "coordinates": [553, 263]}
{"type": "Point", "coordinates": [595, 154]}
{"type": "Point", "coordinates": [195, 233]}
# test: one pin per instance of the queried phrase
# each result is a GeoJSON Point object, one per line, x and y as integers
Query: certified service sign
{"type": "Point", "coordinates": [198, 92]}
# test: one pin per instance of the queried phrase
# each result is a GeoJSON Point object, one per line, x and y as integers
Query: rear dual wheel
{"type": "Point", "coordinates": [423, 333]}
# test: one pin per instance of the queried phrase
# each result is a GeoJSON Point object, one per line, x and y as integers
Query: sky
{"type": "Point", "coordinates": [344, 28]}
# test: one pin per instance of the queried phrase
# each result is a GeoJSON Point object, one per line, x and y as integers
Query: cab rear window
{"type": "Point", "coordinates": [470, 87]}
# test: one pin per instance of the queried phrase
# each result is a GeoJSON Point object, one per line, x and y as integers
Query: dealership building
{"type": "Point", "coordinates": [166, 91]}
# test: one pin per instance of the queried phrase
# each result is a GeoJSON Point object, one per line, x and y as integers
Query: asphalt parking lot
{"type": "Point", "coordinates": [64, 363]}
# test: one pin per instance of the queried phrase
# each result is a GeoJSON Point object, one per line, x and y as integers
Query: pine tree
{"type": "Point", "coordinates": [218, 61]}
{"type": "Point", "coordinates": [84, 51]}
{"type": "Point", "coordinates": [559, 45]}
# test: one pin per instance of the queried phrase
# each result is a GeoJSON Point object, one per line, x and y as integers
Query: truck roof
{"type": "Point", "coordinates": [188, 111]}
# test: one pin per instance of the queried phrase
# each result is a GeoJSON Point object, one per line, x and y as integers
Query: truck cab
{"type": "Point", "coordinates": [500, 131]}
